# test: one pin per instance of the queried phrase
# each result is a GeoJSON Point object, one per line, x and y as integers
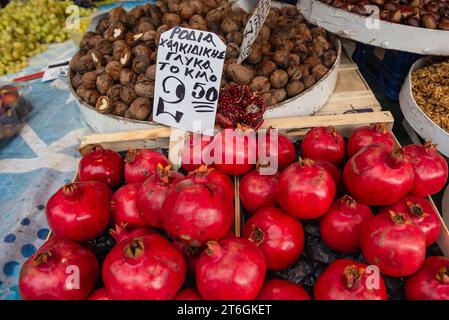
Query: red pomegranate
{"type": "Point", "coordinates": [147, 267]}
{"type": "Point", "coordinates": [278, 235]}
{"type": "Point", "coordinates": [60, 270]}
{"type": "Point", "coordinates": [124, 207]}
{"type": "Point", "coordinates": [188, 294]}
{"type": "Point", "coordinates": [121, 232]}
{"type": "Point", "coordinates": [205, 174]}
{"type": "Point", "coordinates": [102, 165]}
{"type": "Point", "coordinates": [431, 282]}
{"type": "Point", "coordinates": [340, 226]}
{"type": "Point", "coordinates": [394, 243]}
{"type": "Point", "coordinates": [332, 170]}
{"type": "Point", "coordinates": [258, 191]}
{"type": "Point", "coordinates": [346, 279]}
{"type": "Point", "coordinates": [422, 213]}
{"type": "Point", "coordinates": [142, 163]}
{"type": "Point", "coordinates": [278, 289]}
{"type": "Point", "coordinates": [197, 212]}
{"type": "Point", "coordinates": [283, 149]}
{"type": "Point", "coordinates": [151, 194]}
{"type": "Point", "coordinates": [79, 211]}
{"type": "Point", "coordinates": [235, 151]}
{"type": "Point", "coordinates": [232, 269]}
{"type": "Point", "coordinates": [322, 143]}
{"type": "Point", "coordinates": [430, 169]}
{"type": "Point", "coordinates": [306, 190]}
{"type": "Point", "coordinates": [376, 177]}
{"type": "Point", "coordinates": [364, 136]}
{"type": "Point", "coordinates": [99, 294]}
{"type": "Point", "coordinates": [192, 151]}
{"type": "Point", "coordinates": [190, 253]}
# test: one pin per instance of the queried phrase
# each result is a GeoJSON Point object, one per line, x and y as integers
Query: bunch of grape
{"type": "Point", "coordinates": [28, 26]}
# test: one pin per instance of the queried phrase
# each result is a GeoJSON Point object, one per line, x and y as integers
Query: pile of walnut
{"type": "Point", "coordinates": [114, 69]}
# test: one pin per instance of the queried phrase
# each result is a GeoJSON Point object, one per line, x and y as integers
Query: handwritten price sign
{"type": "Point", "coordinates": [188, 76]}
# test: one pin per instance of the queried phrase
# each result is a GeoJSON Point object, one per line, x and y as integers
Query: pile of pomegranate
{"type": "Point", "coordinates": [347, 220]}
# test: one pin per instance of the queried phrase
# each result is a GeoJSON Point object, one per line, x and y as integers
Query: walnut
{"type": "Point", "coordinates": [141, 50]}
{"type": "Point", "coordinates": [318, 31]}
{"type": "Point", "coordinates": [277, 41]}
{"type": "Point", "coordinates": [323, 42]}
{"type": "Point", "coordinates": [186, 12]}
{"type": "Point", "coordinates": [264, 34]}
{"type": "Point", "coordinates": [140, 64]}
{"type": "Point", "coordinates": [104, 82]}
{"type": "Point", "coordinates": [265, 68]}
{"type": "Point", "coordinates": [116, 13]}
{"type": "Point", "coordinates": [173, 5]}
{"type": "Point", "coordinates": [88, 95]}
{"type": "Point", "coordinates": [162, 5]}
{"type": "Point", "coordinates": [197, 19]}
{"type": "Point", "coordinates": [329, 57]}
{"type": "Point", "coordinates": [114, 93]}
{"type": "Point", "coordinates": [133, 39]}
{"type": "Point", "coordinates": [319, 71]}
{"type": "Point", "coordinates": [138, 12]}
{"type": "Point", "coordinates": [82, 64]}
{"type": "Point", "coordinates": [255, 55]}
{"type": "Point", "coordinates": [308, 81]}
{"type": "Point", "coordinates": [150, 73]}
{"type": "Point", "coordinates": [129, 20]}
{"type": "Point", "coordinates": [279, 79]}
{"type": "Point", "coordinates": [281, 58]}
{"type": "Point", "coordinates": [153, 57]}
{"type": "Point", "coordinates": [304, 69]}
{"type": "Point", "coordinates": [102, 25]}
{"type": "Point", "coordinates": [294, 59]}
{"type": "Point", "coordinates": [155, 14]}
{"type": "Point", "coordinates": [232, 50]}
{"type": "Point", "coordinates": [266, 48]}
{"type": "Point", "coordinates": [127, 76]}
{"type": "Point", "coordinates": [312, 61]}
{"type": "Point", "coordinates": [139, 109]}
{"type": "Point", "coordinates": [76, 80]}
{"type": "Point", "coordinates": [209, 4]}
{"type": "Point", "coordinates": [235, 37]}
{"type": "Point", "coordinates": [143, 27]}
{"type": "Point", "coordinates": [104, 47]}
{"type": "Point", "coordinates": [89, 80]}
{"type": "Point", "coordinates": [198, 26]}
{"type": "Point", "coordinates": [89, 41]}
{"type": "Point", "coordinates": [118, 44]}
{"type": "Point", "coordinates": [197, 6]}
{"type": "Point", "coordinates": [160, 31]}
{"type": "Point", "coordinates": [240, 74]}
{"type": "Point", "coordinates": [214, 17]}
{"type": "Point", "coordinates": [97, 58]}
{"type": "Point", "coordinates": [272, 18]}
{"type": "Point", "coordinates": [294, 88]}
{"type": "Point", "coordinates": [149, 36]}
{"type": "Point", "coordinates": [289, 11]}
{"type": "Point", "coordinates": [103, 104]}
{"type": "Point", "coordinates": [119, 108]}
{"type": "Point", "coordinates": [279, 94]}
{"type": "Point", "coordinates": [316, 50]}
{"type": "Point", "coordinates": [260, 84]}
{"type": "Point", "coordinates": [144, 88]}
{"type": "Point", "coordinates": [113, 69]}
{"type": "Point", "coordinates": [123, 55]}
{"type": "Point", "coordinates": [127, 94]}
{"type": "Point", "coordinates": [229, 25]}
{"type": "Point", "coordinates": [171, 20]}
{"type": "Point", "coordinates": [116, 31]}
{"type": "Point", "coordinates": [294, 73]}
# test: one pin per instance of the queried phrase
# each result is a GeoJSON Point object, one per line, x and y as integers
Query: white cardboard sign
{"type": "Point", "coordinates": [188, 76]}
{"type": "Point", "coordinates": [253, 27]}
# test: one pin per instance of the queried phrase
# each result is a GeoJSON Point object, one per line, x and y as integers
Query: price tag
{"type": "Point", "coordinates": [253, 27]}
{"type": "Point", "coordinates": [55, 71]}
{"type": "Point", "coordinates": [188, 76]}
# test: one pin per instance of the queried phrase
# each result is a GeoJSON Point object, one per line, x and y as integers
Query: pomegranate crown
{"type": "Point", "coordinates": [352, 274]}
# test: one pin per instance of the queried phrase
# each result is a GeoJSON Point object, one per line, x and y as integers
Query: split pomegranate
{"type": "Point", "coordinates": [232, 269]}
{"type": "Point", "coordinates": [346, 279]}
{"type": "Point", "coordinates": [192, 151]}
{"type": "Point", "coordinates": [284, 150]}
{"type": "Point", "coordinates": [188, 294]}
{"type": "Point", "coordinates": [151, 194]}
{"type": "Point", "coordinates": [120, 233]}
{"type": "Point", "coordinates": [146, 267]}
{"type": "Point", "coordinates": [60, 270]}
{"type": "Point", "coordinates": [332, 170]}
{"type": "Point", "coordinates": [235, 151]}
{"type": "Point", "coordinates": [102, 165]}
{"type": "Point", "coordinates": [142, 163]}
{"type": "Point", "coordinates": [124, 207]}
{"type": "Point", "coordinates": [422, 213]}
{"type": "Point", "coordinates": [79, 211]}
{"type": "Point", "coordinates": [190, 253]}
{"type": "Point", "coordinates": [364, 136]}
{"type": "Point", "coordinates": [431, 282]}
{"type": "Point", "coordinates": [278, 289]}
{"type": "Point", "coordinates": [99, 294]}
{"type": "Point", "coordinates": [204, 174]}
{"type": "Point", "coordinates": [197, 212]}
{"type": "Point", "coordinates": [258, 191]}
{"type": "Point", "coordinates": [430, 169]}
{"type": "Point", "coordinates": [394, 243]}
{"type": "Point", "coordinates": [375, 176]}
{"type": "Point", "coordinates": [340, 226]}
{"type": "Point", "coordinates": [279, 236]}
{"type": "Point", "coordinates": [322, 143]}
{"type": "Point", "coordinates": [306, 190]}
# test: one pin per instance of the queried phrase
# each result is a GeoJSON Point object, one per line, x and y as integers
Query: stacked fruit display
{"type": "Point", "coordinates": [171, 229]}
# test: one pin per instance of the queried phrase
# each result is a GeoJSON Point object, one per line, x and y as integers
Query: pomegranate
{"type": "Point", "coordinates": [190, 253]}
{"type": "Point", "coordinates": [340, 226]}
{"type": "Point", "coordinates": [374, 176]}
{"type": "Point", "coordinates": [120, 233]}
{"type": "Point", "coordinates": [232, 269]}
{"type": "Point", "coordinates": [235, 151]}
{"type": "Point", "coordinates": [151, 194]}
{"type": "Point", "coordinates": [278, 235]}
{"type": "Point", "coordinates": [197, 212]}
{"type": "Point", "coordinates": [284, 150]}
{"type": "Point", "coordinates": [322, 143]}
{"type": "Point", "coordinates": [332, 170]}
{"type": "Point", "coordinates": [60, 270]}
{"type": "Point", "coordinates": [306, 190]}
{"type": "Point", "coordinates": [364, 136]}
{"type": "Point", "coordinates": [188, 294]}
{"type": "Point", "coordinates": [146, 267]}
{"type": "Point", "coordinates": [102, 165]}
{"type": "Point", "coordinates": [431, 282]}
{"type": "Point", "coordinates": [430, 169]}
{"type": "Point", "coordinates": [422, 213]}
{"type": "Point", "coordinates": [142, 163]}
{"type": "Point", "coordinates": [346, 279]}
{"type": "Point", "coordinates": [278, 289]}
{"type": "Point", "coordinates": [79, 211]}
{"type": "Point", "coordinates": [124, 207]}
{"type": "Point", "coordinates": [394, 243]}
{"type": "Point", "coordinates": [99, 294]}
{"type": "Point", "coordinates": [204, 174]}
{"type": "Point", "coordinates": [192, 151]}
{"type": "Point", "coordinates": [258, 191]}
